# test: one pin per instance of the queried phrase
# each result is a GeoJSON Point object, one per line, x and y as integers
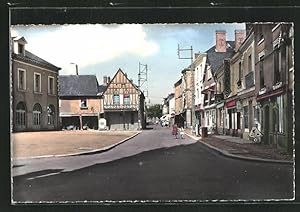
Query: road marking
{"type": "Point", "coordinates": [45, 175]}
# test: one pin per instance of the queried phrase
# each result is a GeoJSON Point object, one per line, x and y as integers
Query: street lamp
{"type": "Point", "coordinates": [76, 67]}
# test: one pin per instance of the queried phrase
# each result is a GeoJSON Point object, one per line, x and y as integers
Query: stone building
{"type": "Point", "coordinates": [34, 90]}
{"type": "Point", "coordinates": [273, 72]}
{"type": "Point", "coordinates": [199, 67]}
{"type": "Point", "coordinates": [178, 91]}
{"type": "Point", "coordinates": [216, 56]}
{"type": "Point", "coordinates": [188, 96]}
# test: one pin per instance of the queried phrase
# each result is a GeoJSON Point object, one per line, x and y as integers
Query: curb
{"type": "Point", "coordinates": [94, 151]}
{"type": "Point", "coordinates": [227, 154]}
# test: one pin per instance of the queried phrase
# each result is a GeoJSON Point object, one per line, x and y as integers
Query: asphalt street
{"type": "Point", "coordinates": [151, 166]}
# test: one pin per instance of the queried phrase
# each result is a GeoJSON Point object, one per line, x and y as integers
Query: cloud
{"type": "Point", "coordinates": [86, 44]}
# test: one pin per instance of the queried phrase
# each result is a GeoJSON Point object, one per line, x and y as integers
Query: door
{"type": "Point", "coordinates": [266, 125]}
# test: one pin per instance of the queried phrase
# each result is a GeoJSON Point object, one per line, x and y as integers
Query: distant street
{"type": "Point", "coordinates": [151, 166]}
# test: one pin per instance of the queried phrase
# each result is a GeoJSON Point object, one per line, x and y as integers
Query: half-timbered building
{"type": "Point", "coordinates": [123, 104]}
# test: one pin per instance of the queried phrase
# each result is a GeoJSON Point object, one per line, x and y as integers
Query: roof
{"type": "Point", "coordinates": [215, 59]}
{"type": "Point", "coordinates": [78, 85]}
{"type": "Point", "coordinates": [33, 59]}
{"type": "Point", "coordinates": [120, 70]}
{"type": "Point", "coordinates": [102, 88]}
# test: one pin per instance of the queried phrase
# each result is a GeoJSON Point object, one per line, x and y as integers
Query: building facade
{"type": "Point", "coordinates": [274, 68]}
{"type": "Point", "coordinates": [199, 67]}
{"type": "Point", "coordinates": [80, 101]}
{"type": "Point", "coordinates": [188, 96]}
{"type": "Point", "coordinates": [123, 104]}
{"type": "Point", "coordinates": [217, 56]}
{"type": "Point", "coordinates": [178, 96]}
{"type": "Point", "coordinates": [34, 90]}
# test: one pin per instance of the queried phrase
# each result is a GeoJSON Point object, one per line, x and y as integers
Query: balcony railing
{"type": "Point", "coordinates": [120, 107]}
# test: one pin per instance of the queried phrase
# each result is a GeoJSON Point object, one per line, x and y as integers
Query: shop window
{"type": "Point", "coordinates": [280, 112]}
{"type": "Point", "coordinates": [246, 117]}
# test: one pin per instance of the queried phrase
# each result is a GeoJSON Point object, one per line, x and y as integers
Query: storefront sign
{"type": "Point", "coordinates": [220, 105]}
{"type": "Point", "coordinates": [231, 103]}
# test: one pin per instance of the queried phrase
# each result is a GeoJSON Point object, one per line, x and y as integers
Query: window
{"type": "Point", "coordinates": [205, 99]}
{"type": "Point", "coordinates": [126, 99]}
{"type": "Point", "coordinates": [37, 111]}
{"type": "Point", "coordinates": [246, 117]}
{"type": "Point", "coordinates": [208, 74]}
{"type": "Point", "coordinates": [21, 48]}
{"type": "Point", "coordinates": [37, 83]}
{"type": "Point", "coordinates": [21, 115]}
{"type": "Point", "coordinates": [249, 63]}
{"type": "Point", "coordinates": [51, 112]}
{"type": "Point", "coordinates": [276, 66]}
{"type": "Point", "coordinates": [261, 71]}
{"type": "Point", "coordinates": [116, 99]}
{"type": "Point", "coordinates": [280, 114]}
{"type": "Point", "coordinates": [240, 71]}
{"type": "Point", "coordinates": [51, 85]}
{"type": "Point", "coordinates": [83, 103]}
{"type": "Point", "coordinates": [22, 79]}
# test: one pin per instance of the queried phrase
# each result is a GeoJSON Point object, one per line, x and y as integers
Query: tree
{"type": "Point", "coordinates": [154, 111]}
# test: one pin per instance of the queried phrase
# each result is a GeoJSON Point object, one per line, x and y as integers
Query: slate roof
{"type": "Point", "coordinates": [215, 59]}
{"type": "Point", "coordinates": [78, 85]}
{"type": "Point", "coordinates": [102, 88]}
{"type": "Point", "coordinates": [35, 60]}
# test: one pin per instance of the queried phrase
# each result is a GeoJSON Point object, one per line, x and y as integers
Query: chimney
{"type": "Point", "coordinates": [196, 55]}
{"type": "Point", "coordinates": [221, 44]}
{"type": "Point", "coordinates": [240, 36]}
{"type": "Point", "coordinates": [105, 80]}
{"type": "Point", "coordinates": [108, 80]}
{"type": "Point", "coordinates": [76, 69]}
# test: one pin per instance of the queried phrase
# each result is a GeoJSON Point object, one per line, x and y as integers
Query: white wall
{"type": "Point", "coordinates": [199, 70]}
{"type": "Point", "coordinates": [172, 105]}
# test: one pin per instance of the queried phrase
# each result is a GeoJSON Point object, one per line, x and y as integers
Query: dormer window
{"type": "Point", "coordinates": [21, 49]}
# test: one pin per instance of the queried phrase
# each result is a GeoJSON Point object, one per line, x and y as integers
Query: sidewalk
{"type": "Point", "coordinates": [242, 149]}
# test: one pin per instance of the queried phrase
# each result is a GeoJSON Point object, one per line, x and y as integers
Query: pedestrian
{"type": "Point", "coordinates": [181, 132]}
{"type": "Point", "coordinates": [175, 130]}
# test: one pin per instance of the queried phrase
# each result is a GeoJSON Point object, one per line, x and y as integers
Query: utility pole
{"type": "Point", "coordinates": [179, 50]}
{"type": "Point", "coordinates": [142, 84]}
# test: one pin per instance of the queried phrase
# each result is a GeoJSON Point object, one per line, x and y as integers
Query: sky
{"type": "Point", "coordinates": [101, 49]}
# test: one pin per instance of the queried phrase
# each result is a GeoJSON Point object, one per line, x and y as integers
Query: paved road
{"type": "Point", "coordinates": [151, 166]}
